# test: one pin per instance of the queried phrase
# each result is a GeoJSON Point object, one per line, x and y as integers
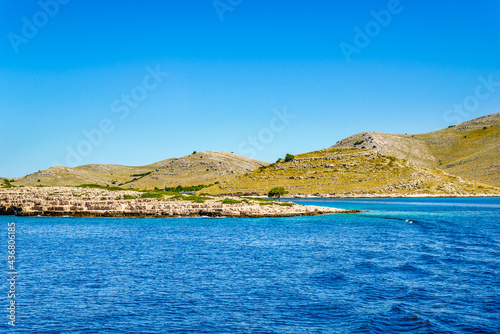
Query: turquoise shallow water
{"type": "Point", "coordinates": [407, 266]}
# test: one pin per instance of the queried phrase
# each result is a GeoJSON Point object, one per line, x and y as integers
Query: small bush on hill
{"type": "Point", "coordinates": [151, 195]}
{"type": "Point", "coordinates": [277, 192]}
{"type": "Point", "coordinates": [195, 199]}
{"type": "Point", "coordinates": [230, 201]}
{"type": "Point", "coordinates": [129, 197]}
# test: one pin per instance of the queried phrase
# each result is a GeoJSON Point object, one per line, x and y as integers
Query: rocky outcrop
{"type": "Point", "coordinates": [68, 201]}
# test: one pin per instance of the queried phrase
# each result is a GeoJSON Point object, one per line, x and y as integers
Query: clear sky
{"type": "Point", "coordinates": [135, 82]}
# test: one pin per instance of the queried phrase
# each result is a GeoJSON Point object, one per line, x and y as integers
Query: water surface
{"type": "Point", "coordinates": [407, 266]}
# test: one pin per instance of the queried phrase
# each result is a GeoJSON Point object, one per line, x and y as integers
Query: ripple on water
{"type": "Point", "coordinates": [359, 273]}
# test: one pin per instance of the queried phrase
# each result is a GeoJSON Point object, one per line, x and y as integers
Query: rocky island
{"type": "Point", "coordinates": [458, 161]}
{"type": "Point", "coordinates": [89, 202]}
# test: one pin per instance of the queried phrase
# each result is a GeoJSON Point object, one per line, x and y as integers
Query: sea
{"type": "Point", "coordinates": [426, 265]}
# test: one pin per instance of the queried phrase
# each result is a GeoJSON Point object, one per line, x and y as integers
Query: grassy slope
{"type": "Point", "coordinates": [470, 149]}
{"type": "Point", "coordinates": [350, 172]}
{"type": "Point", "coordinates": [189, 172]}
{"type": "Point", "coordinates": [199, 168]}
{"type": "Point", "coordinates": [98, 174]}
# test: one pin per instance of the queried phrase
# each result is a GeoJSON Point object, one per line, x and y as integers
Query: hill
{"type": "Point", "coordinates": [193, 169]}
{"type": "Point", "coordinates": [470, 149]}
{"type": "Point", "coordinates": [350, 172]}
{"type": "Point", "coordinates": [197, 168]}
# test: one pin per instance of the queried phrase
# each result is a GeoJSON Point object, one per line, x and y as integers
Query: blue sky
{"type": "Point", "coordinates": [233, 66]}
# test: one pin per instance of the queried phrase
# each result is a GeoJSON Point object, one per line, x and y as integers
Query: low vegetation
{"type": "Point", "coordinates": [289, 157]}
{"type": "Point", "coordinates": [98, 186]}
{"type": "Point", "coordinates": [180, 188]}
{"type": "Point", "coordinates": [152, 195]}
{"type": "Point", "coordinates": [129, 197]}
{"type": "Point", "coordinates": [230, 201]}
{"type": "Point", "coordinates": [277, 192]}
{"type": "Point", "coordinates": [259, 199]}
{"type": "Point", "coordinates": [196, 199]}
{"type": "Point", "coordinates": [7, 183]}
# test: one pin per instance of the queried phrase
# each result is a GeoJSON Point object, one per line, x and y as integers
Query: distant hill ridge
{"type": "Point", "coordinates": [197, 168]}
{"type": "Point", "coordinates": [470, 149]}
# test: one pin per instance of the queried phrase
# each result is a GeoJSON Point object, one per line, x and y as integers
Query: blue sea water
{"type": "Point", "coordinates": [406, 266]}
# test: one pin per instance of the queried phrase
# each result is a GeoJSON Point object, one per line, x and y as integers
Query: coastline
{"type": "Point", "coordinates": [391, 196]}
{"type": "Point", "coordinates": [85, 202]}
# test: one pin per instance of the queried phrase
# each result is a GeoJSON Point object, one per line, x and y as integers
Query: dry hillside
{"type": "Point", "coordinates": [470, 149]}
{"type": "Point", "coordinates": [193, 169]}
{"type": "Point", "coordinates": [345, 171]}
{"type": "Point", "coordinates": [198, 168]}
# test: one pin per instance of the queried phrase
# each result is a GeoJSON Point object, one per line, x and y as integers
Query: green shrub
{"type": "Point", "coordinates": [151, 195]}
{"type": "Point", "coordinates": [230, 201]}
{"type": "Point", "coordinates": [90, 185]}
{"type": "Point", "coordinates": [180, 188]}
{"type": "Point", "coordinates": [289, 157]}
{"type": "Point", "coordinates": [277, 192]}
{"type": "Point", "coordinates": [129, 197]}
{"type": "Point", "coordinates": [7, 184]}
{"type": "Point", "coordinates": [259, 199]}
{"type": "Point", "coordinates": [195, 199]}
{"type": "Point", "coordinates": [97, 186]}
{"type": "Point", "coordinates": [178, 197]}
{"type": "Point", "coordinates": [140, 175]}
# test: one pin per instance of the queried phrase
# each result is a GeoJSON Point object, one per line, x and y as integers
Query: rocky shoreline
{"type": "Point", "coordinates": [85, 202]}
{"type": "Point", "coordinates": [395, 195]}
